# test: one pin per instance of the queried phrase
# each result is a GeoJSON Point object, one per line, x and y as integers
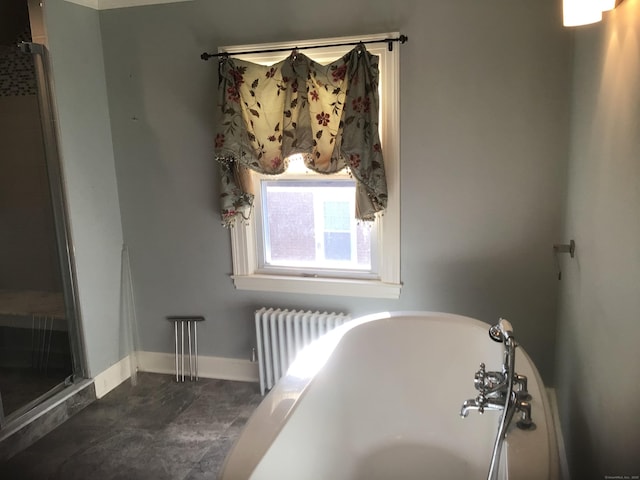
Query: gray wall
{"type": "Point", "coordinates": [88, 168]}
{"type": "Point", "coordinates": [598, 355]}
{"type": "Point", "coordinates": [484, 144]}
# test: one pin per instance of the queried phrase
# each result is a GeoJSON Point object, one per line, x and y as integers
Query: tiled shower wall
{"type": "Point", "coordinates": [17, 76]}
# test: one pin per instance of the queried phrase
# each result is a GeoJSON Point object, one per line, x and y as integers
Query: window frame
{"type": "Point", "coordinates": [244, 244]}
{"type": "Point", "coordinates": [264, 267]}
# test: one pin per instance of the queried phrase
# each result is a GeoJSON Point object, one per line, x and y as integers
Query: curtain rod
{"type": "Point", "coordinates": [389, 41]}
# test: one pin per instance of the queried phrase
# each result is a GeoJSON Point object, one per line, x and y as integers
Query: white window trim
{"type": "Point", "coordinates": [243, 243]}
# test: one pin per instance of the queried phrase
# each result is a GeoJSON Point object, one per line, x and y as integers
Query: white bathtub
{"type": "Point", "coordinates": [380, 398]}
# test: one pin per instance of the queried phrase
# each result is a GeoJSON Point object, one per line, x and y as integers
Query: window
{"type": "Point", "coordinates": [303, 236]}
{"type": "Point", "coordinates": [307, 226]}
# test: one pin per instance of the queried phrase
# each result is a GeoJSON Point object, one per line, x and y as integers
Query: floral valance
{"type": "Point", "coordinates": [327, 113]}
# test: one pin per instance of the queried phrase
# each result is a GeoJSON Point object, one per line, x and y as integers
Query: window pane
{"type": "Point", "coordinates": [337, 245]}
{"type": "Point", "coordinates": [290, 223]}
{"type": "Point", "coordinates": [310, 224]}
{"type": "Point", "coordinates": [337, 216]}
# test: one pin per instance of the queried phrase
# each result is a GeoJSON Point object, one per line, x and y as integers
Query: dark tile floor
{"type": "Point", "coordinates": [157, 430]}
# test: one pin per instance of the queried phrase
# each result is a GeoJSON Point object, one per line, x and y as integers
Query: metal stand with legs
{"type": "Point", "coordinates": [192, 341]}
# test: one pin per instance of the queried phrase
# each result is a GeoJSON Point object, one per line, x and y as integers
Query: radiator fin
{"type": "Point", "coordinates": [281, 334]}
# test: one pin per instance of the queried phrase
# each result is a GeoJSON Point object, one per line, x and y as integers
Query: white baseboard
{"type": "Point", "coordinates": [157, 362]}
{"type": "Point", "coordinates": [113, 376]}
{"type": "Point", "coordinates": [562, 453]}
{"type": "Point", "coordinates": [208, 367]}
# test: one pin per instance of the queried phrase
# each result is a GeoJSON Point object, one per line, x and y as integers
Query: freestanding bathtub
{"type": "Point", "coordinates": [379, 399]}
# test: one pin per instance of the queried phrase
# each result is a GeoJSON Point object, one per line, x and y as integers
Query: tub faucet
{"type": "Point", "coordinates": [479, 404]}
{"type": "Point", "coordinates": [492, 392]}
{"type": "Point", "coordinates": [506, 388]}
{"type": "Point", "coordinates": [505, 391]}
{"type": "Point", "coordinates": [492, 388]}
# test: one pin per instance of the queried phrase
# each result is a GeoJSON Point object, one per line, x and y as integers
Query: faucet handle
{"type": "Point", "coordinates": [479, 379]}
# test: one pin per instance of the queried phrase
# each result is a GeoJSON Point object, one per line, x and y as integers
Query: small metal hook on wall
{"type": "Point", "coordinates": [569, 248]}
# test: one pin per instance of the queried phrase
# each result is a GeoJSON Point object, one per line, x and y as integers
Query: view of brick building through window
{"type": "Point", "coordinates": [312, 224]}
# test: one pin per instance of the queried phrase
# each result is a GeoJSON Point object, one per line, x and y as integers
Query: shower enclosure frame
{"type": "Point", "coordinates": [64, 243]}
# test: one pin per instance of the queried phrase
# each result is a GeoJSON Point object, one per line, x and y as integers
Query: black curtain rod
{"type": "Point", "coordinates": [389, 41]}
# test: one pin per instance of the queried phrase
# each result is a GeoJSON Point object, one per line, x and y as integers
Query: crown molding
{"type": "Point", "coordinates": [111, 4]}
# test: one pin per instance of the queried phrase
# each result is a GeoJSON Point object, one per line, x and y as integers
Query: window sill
{"type": "Point", "coordinates": [317, 286]}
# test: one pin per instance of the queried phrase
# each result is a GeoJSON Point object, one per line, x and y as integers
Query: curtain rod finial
{"type": "Point", "coordinates": [401, 39]}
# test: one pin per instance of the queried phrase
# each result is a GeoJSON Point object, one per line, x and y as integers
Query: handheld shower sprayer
{"type": "Point", "coordinates": [502, 331]}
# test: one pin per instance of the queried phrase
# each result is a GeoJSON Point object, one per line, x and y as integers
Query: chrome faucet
{"type": "Point", "coordinates": [492, 388]}
{"type": "Point", "coordinates": [504, 391]}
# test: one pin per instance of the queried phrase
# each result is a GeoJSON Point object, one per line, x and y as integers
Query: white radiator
{"type": "Point", "coordinates": [281, 334]}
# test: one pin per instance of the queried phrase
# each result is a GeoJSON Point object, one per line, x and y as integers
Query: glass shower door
{"type": "Point", "coordinates": [40, 348]}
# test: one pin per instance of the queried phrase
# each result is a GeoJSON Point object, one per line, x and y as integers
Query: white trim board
{"type": "Point", "coordinates": [109, 4]}
{"type": "Point", "coordinates": [113, 376]}
{"type": "Point", "coordinates": [157, 362]}
{"type": "Point", "coordinates": [208, 367]}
